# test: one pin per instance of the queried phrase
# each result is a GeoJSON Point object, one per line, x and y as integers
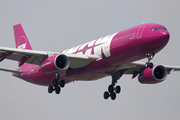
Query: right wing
{"type": "Point", "coordinates": [37, 57]}
{"type": "Point", "coordinates": [24, 55]}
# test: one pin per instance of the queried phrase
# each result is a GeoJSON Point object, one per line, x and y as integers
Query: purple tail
{"type": "Point", "coordinates": [20, 38]}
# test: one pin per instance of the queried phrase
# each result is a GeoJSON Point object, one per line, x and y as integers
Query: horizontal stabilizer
{"type": "Point", "coordinates": [12, 71]}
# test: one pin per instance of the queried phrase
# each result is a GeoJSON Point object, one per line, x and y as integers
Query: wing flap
{"type": "Point", "coordinates": [80, 60]}
{"type": "Point", "coordinates": [34, 57]}
{"type": "Point", "coordinates": [23, 51]}
{"type": "Point", "coordinates": [131, 68]}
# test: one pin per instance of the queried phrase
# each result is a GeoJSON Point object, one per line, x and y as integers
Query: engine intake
{"type": "Point", "coordinates": [155, 75]}
{"type": "Point", "coordinates": [55, 63]}
{"type": "Point", "coordinates": [62, 62]}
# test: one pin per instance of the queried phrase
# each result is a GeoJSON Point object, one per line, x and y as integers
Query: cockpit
{"type": "Point", "coordinates": [158, 28]}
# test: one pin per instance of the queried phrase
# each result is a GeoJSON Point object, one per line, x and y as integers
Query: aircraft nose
{"type": "Point", "coordinates": [164, 36]}
{"type": "Point", "coordinates": [160, 40]}
{"type": "Point", "coordinates": [154, 40]}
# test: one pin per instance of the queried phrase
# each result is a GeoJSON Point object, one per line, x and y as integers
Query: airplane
{"type": "Point", "coordinates": [112, 55]}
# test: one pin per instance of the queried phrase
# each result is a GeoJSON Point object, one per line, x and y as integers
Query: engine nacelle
{"type": "Point", "coordinates": [55, 63]}
{"type": "Point", "coordinates": [155, 75]}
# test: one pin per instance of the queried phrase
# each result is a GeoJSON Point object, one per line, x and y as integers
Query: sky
{"type": "Point", "coordinates": [56, 25]}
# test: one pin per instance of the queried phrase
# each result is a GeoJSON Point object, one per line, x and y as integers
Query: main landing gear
{"type": "Point", "coordinates": [56, 86]}
{"type": "Point", "coordinates": [112, 89]}
{"type": "Point", "coordinates": [150, 56]}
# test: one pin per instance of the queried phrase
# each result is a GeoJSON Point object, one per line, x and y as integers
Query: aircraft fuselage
{"type": "Point", "coordinates": [113, 51]}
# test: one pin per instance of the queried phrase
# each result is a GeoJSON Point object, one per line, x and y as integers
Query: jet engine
{"type": "Point", "coordinates": [55, 63]}
{"type": "Point", "coordinates": [155, 75]}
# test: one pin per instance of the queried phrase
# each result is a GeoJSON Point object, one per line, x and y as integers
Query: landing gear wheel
{"type": "Point", "coordinates": [150, 56]}
{"type": "Point", "coordinates": [62, 83]}
{"type": "Point", "coordinates": [50, 89]}
{"type": "Point", "coordinates": [146, 65]}
{"type": "Point", "coordinates": [113, 95]}
{"type": "Point", "coordinates": [106, 95]}
{"type": "Point", "coordinates": [118, 89]}
{"type": "Point", "coordinates": [151, 65]}
{"type": "Point", "coordinates": [57, 89]}
{"type": "Point", "coordinates": [54, 83]}
{"type": "Point", "coordinates": [110, 88]}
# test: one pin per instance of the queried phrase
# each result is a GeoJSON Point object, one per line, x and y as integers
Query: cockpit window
{"type": "Point", "coordinates": [159, 28]}
{"type": "Point", "coordinates": [155, 28]}
{"type": "Point", "coordinates": [162, 28]}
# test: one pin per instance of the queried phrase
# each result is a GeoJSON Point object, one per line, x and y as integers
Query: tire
{"type": "Point", "coordinates": [57, 89]}
{"type": "Point", "coordinates": [62, 83]}
{"type": "Point", "coordinates": [110, 88]}
{"type": "Point", "coordinates": [50, 89]}
{"type": "Point", "coordinates": [106, 95]}
{"type": "Point", "coordinates": [146, 65]}
{"type": "Point", "coordinates": [113, 95]}
{"type": "Point", "coordinates": [118, 89]}
{"type": "Point", "coordinates": [151, 65]}
{"type": "Point", "coordinates": [54, 83]}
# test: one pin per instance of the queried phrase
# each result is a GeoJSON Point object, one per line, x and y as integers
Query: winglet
{"type": "Point", "coordinates": [20, 38]}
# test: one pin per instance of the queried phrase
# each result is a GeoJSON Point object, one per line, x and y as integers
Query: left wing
{"type": "Point", "coordinates": [135, 68]}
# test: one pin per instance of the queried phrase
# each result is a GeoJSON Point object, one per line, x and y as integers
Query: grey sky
{"type": "Point", "coordinates": [55, 25]}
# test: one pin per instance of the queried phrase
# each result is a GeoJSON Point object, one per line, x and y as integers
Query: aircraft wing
{"type": "Point", "coordinates": [136, 67]}
{"type": "Point", "coordinates": [29, 56]}
{"type": "Point", "coordinates": [80, 60]}
{"type": "Point", "coordinates": [37, 57]}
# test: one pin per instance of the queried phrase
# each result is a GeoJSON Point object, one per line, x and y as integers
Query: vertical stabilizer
{"type": "Point", "coordinates": [20, 38]}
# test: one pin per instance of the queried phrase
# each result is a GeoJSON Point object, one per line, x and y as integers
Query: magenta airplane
{"type": "Point", "coordinates": [113, 55]}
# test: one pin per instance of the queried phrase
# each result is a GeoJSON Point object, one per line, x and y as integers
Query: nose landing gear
{"type": "Point", "coordinates": [56, 86]}
{"type": "Point", "coordinates": [150, 56]}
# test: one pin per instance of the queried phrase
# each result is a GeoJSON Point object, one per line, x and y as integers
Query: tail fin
{"type": "Point", "coordinates": [20, 38]}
